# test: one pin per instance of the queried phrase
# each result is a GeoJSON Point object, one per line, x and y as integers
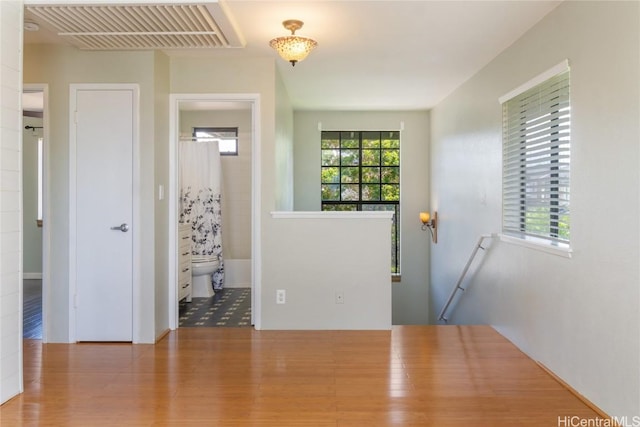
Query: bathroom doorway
{"type": "Point", "coordinates": [240, 207]}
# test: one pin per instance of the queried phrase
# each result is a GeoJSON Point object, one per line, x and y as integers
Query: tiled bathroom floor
{"type": "Point", "coordinates": [230, 307]}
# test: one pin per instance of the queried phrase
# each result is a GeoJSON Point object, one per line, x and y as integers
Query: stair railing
{"type": "Point", "coordinates": [457, 287]}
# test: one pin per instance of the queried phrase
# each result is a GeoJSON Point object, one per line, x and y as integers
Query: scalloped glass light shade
{"type": "Point", "coordinates": [293, 48]}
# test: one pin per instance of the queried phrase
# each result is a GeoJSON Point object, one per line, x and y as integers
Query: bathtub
{"type": "Point", "coordinates": [237, 273]}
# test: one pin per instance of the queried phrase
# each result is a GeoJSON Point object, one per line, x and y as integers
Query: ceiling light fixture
{"type": "Point", "coordinates": [293, 48]}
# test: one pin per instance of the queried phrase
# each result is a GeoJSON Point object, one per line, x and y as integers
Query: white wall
{"type": "Point", "coordinates": [236, 177]}
{"type": "Point", "coordinates": [410, 296]}
{"type": "Point", "coordinates": [321, 253]}
{"type": "Point", "coordinates": [31, 234]}
{"type": "Point", "coordinates": [10, 199]}
{"type": "Point", "coordinates": [577, 316]}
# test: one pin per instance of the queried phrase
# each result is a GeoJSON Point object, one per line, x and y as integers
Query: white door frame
{"type": "Point", "coordinates": [73, 286]}
{"type": "Point", "coordinates": [46, 216]}
{"type": "Point", "coordinates": [174, 132]}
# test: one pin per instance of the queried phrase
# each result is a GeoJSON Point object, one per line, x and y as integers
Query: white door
{"type": "Point", "coordinates": [104, 213]}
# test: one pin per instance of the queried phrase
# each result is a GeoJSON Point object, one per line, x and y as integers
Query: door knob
{"type": "Point", "coordinates": [122, 227]}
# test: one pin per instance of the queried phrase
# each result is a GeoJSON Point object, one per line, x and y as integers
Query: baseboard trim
{"type": "Point", "coordinates": [162, 335]}
{"type": "Point", "coordinates": [573, 391]}
{"type": "Point", "coordinates": [236, 285]}
{"type": "Point", "coordinates": [32, 276]}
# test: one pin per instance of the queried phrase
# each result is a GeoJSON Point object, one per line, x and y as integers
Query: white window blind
{"type": "Point", "coordinates": [536, 161]}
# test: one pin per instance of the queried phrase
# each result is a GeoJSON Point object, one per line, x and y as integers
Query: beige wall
{"type": "Point", "coordinates": [60, 66]}
{"type": "Point", "coordinates": [410, 296]}
{"type": "Point", "coordinates": [236, 177]}
{"type": "Point", "coordinates": [254, 76]}
{"type": "Point", "coordinates": [161, 178]}
{"type": "Point", "coordinates": [31, 233]}
{"type": "Point", "coordinates": [577, 316]}
{"type": "Point", "coordinates": [284, 148]}
{"type": "Point", "coordinates": [280, 239]}
{"type": "Point", "coordinates": [236, 76]}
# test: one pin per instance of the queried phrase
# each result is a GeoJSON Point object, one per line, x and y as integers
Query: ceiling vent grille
{"type": "Point", "coordinates": [134, 27]}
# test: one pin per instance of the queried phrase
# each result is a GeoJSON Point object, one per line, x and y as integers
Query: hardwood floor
{"type": "Point", "coordinates": [412, 376]}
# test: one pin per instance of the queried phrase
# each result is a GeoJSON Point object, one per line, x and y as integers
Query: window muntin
{"type": "Point", "coordinates": [227, 138]}
{"type": "Point", "coordinates": [360, 171]}
{"type": "Point", "coordinates": [536, 161]}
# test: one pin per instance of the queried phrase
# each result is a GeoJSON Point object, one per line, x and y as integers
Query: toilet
{"type": "Point", "coordinates": [201, 270]}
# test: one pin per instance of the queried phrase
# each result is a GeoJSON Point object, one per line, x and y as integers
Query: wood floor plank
{"type": "Point", "coordinates": [412, 376]}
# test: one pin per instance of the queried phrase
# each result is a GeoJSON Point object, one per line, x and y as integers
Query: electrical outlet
{"type": "Point", "coordinates": [339, 297]}
{"type": "Point", "coordinates": [281, 296]}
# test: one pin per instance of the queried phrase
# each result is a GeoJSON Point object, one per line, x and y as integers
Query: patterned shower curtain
{"type": "Point", "coordinates": [201, 200]}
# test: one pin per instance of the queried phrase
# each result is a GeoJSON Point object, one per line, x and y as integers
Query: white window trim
{"type": "Point", "coordinates": [559, 249]}
{"type": "Point", "coordinates": [539, 244]}
{"type": "Point", "coordinates": [542, 77]}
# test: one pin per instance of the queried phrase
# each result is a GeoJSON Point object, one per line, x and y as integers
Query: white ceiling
{"type": "Point", "coordinates": [377, 55]}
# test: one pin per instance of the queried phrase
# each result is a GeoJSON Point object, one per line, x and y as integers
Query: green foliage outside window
{"type": "Point", "coordinates": [539, 221]}
{"type": "Point", "coordinates": [361, 171]}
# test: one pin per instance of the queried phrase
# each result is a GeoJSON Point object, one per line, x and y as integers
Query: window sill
{"type": "Point", "coordinates": [396, 278]}
{"type": "Point", "coordinates": [538, 245]}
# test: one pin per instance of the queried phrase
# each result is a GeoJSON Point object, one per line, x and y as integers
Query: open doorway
{"type": "Point", "coordinates": [192, 112]}
{"type": "Point", "coordinates": [34, 202]}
